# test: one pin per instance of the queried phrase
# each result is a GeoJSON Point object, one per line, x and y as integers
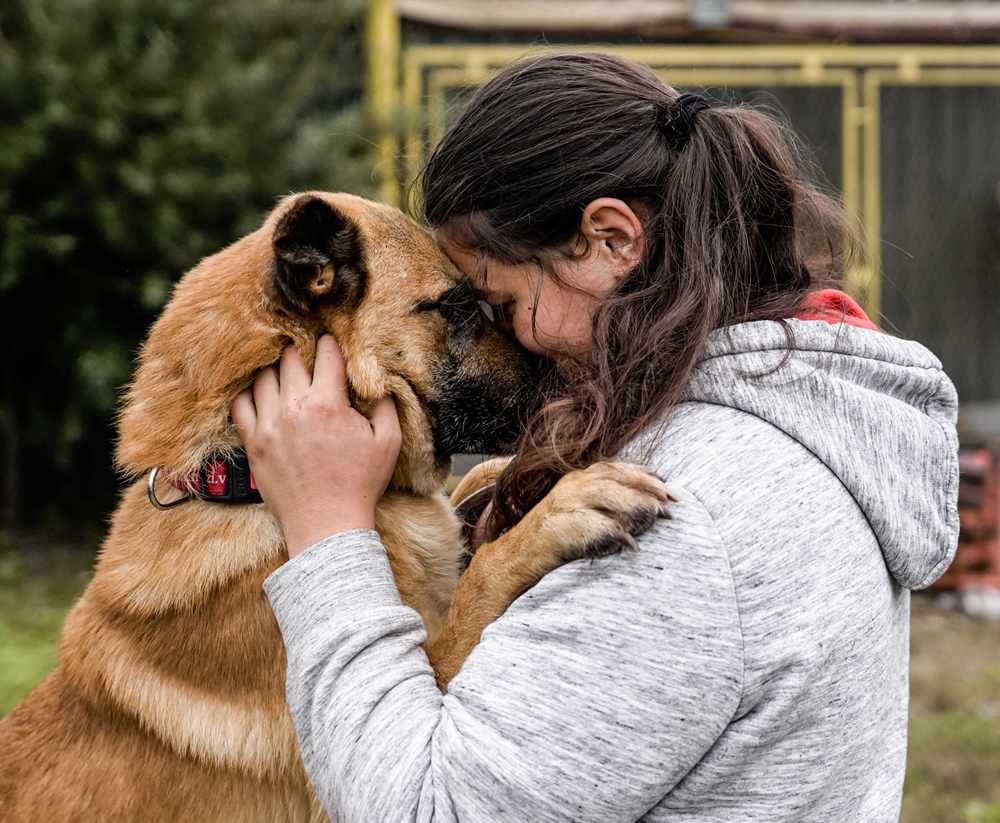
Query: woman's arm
{"type": "Point", "coordinates": [588, 700]}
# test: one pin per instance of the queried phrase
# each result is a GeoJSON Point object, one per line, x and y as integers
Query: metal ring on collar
{"type": "Point", "coordinates": [151, 493]}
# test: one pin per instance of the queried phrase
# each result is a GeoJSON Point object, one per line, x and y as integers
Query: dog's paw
{"type": "Point", "coordinates": [599, 510]}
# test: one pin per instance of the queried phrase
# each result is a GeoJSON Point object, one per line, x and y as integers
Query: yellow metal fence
{"type": "Point", "coordinates": [430, 75]}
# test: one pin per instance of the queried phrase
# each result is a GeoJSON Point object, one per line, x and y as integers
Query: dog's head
{"type": "Point", "coordinates": [408, 323]}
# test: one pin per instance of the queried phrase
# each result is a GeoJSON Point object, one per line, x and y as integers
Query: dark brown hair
{"type": "Point", "coordinates": [733, 232]}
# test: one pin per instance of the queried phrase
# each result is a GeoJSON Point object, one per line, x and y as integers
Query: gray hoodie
{"type": "Point", "coordinates": [749, 663]}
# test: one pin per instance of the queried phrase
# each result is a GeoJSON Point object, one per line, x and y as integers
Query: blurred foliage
{"type": "Point", "coordinates": [137, 136]}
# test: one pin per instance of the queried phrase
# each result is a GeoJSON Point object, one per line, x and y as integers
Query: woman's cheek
{"type": "Point", "coordinates": [523, 329]}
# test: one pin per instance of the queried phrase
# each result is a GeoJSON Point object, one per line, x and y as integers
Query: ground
{"type": "Point", "coordinates": [953, 773]}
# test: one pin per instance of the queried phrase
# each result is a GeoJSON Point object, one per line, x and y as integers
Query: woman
{"type": "Point", "coordinates": [750, 661]}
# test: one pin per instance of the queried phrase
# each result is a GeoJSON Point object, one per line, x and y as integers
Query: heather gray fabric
{"type": "Point", "coordinates": [749, 663]}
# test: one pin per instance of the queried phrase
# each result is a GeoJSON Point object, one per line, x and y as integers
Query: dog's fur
{"type": "Point", "coordinates": [168, 700]}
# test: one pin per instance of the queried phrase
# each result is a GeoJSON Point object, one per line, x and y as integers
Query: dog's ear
{"type": "Point", "coordinates": [318, 257]}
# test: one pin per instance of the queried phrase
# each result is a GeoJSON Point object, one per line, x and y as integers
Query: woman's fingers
{"type": "Point", "coordinates": [293, 376]}
{"type": "Point", "coordinates": [385, 424]}
{"type": "Point", "coordinates": [319, 464]}
{"type": "Point", "coordinates": [244, 413]}
{"type": "Point", "coordinates": [266, 389]}
{"type": "Point", "coordinates": [330, 372]}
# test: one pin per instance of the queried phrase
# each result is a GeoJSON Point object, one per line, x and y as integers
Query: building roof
{"type": "Point", "coordinates": [954, 20]}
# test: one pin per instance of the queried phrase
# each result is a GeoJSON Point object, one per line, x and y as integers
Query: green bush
{"type": "Point", "coordinates": [137, 136]}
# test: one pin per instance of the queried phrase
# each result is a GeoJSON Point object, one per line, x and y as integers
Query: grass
{"type": "Point", "coordinates": [38, 585]}
{"type": "Point", "coordinates": [953, 772]}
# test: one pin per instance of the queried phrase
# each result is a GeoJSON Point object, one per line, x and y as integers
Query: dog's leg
{"type": "Point", "coordinates": [482, 474]}
{"type": "Point", "coordinates": [588, 513]}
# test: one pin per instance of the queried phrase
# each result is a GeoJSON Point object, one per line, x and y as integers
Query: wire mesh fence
{"type": "Point", "coordinates": [941, 227]}
{"type": "Point", "coordinates": [939, 178]}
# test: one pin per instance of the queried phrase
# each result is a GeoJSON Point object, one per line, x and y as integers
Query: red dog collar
{"type": "Point", "coordinates": [223, 478]}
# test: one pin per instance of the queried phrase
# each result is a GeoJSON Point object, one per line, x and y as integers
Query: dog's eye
{"type": "Point", "coordinates": [459, 307]}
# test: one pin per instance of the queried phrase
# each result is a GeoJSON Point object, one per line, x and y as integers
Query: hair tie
{"type": "Point", "coordinates": [675, 119]}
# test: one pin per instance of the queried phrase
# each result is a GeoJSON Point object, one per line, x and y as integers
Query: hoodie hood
{"type": "Point", "coordinates": [878, 411]}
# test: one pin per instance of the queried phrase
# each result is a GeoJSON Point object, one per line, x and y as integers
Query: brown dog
{"type": "Point", "coordinates": [168, 701]}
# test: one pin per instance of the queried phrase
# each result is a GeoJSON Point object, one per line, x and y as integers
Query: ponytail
{"type": "Point", "coordinates": [725, 208]}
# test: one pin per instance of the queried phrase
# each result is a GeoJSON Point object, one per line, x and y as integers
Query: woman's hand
{"type": "Point", "coordinates": [319, 464]}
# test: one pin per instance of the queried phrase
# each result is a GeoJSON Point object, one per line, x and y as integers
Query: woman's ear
{"type": "Point", "coordinates": [612, 229]}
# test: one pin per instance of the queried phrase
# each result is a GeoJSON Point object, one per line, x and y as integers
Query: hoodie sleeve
{"type": "Point", "coordinates": [588, 700]}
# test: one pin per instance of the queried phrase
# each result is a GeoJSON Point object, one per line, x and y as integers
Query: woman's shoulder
{"type": "Point", "coordinates": [704, 442]}
{"type": "Point", "coordinates": [761, 487]}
